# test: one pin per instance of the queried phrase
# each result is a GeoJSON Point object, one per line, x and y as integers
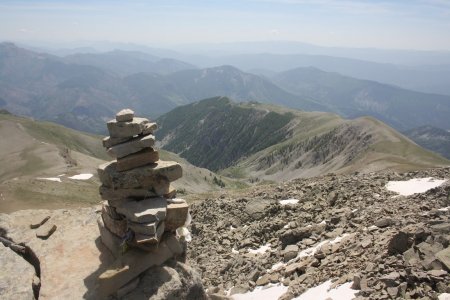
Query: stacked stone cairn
{"type": "Point", "coordinates": [140, 216]}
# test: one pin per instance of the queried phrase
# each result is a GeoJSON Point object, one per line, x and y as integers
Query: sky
{"type": "Point", "coordinates": [403, 24]}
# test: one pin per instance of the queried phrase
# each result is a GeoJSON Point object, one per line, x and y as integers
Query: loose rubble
{"type": "Point", "coordinates": [140, 215]}
{"type": "Point", "coordinates": [344, 228]}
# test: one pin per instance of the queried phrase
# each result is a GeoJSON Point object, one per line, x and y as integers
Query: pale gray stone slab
{"type": "Point", "coordinates": [125, 115]}
{"type": "Point", "coordinates": [142, 177]}
{"type": "Point", "coordinates": [126, 129]}
{"type": "Point", "coordinates": [144, 211]}
{"type": "Point", "coordinates": [132, 146]}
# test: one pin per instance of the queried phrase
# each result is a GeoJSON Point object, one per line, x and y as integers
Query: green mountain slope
{"type": "Point", "coordinates": [261, 141]}
{"type": "Point", "coordinates": [350, 97]}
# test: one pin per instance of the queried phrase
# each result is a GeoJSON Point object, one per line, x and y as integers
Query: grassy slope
{"type": "Point", "coordinates": [33, 149]}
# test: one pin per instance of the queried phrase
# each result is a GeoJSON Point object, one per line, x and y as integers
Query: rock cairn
{"type": "Point", "coordinates": [140, 216]}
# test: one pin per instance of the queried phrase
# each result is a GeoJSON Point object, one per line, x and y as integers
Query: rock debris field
{"type": "Point", "coordinates": [336, 231]}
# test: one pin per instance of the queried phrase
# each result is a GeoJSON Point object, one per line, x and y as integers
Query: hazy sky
{"type": "Point", "coordinates": [412, 24]}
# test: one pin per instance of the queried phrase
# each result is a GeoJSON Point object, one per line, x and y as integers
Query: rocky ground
{"type": "Point", "coordinates": [347, 228]}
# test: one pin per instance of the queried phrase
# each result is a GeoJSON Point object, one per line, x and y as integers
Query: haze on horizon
{"type": "Point", "coordinates": [414, 24]}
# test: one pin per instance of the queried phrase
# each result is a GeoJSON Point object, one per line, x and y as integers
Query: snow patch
{"type": "Point", "coordinates": [413, 186]}
{"type": "Point", "coordinates": [260, 250]}
{"type": "Point", "coordinates": [288, 201]}
{"type": "Point", "coordinates": [57, 179]}
{"type": "Point", "coordinates": [342, 292]}
{"type": "Point", "coordinates": [444, 296]}
{"type": "Point", "coordinates": [84, 176]}
{"type": "Point", "coordinates": [444, 208]}
{"type": "Point", "coordinates": [267, 292]}
{"type": "Point", "coordinates": [234, 251]}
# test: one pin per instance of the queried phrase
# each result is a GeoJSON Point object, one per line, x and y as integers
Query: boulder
{"type": "Point", "coordinates": [126, 129]}
{"type": "Point", "coordinates": [132, 146]}
{"type": "Point", "coordinates": [290, 252]}
{"type": "Point", "coordinates": [16, 275]}
{"type": "Point", "coordinates": [132, 263]}
{"type": "Point", "coordinates": [399, 243]}
{"type": "Point", "coordinates": [256, 208]}
{"type": "Point", "coordinates": [142, 177]}
{"type": "Point", "coordinates": [71, 259]}
{"type": "Point", "coordinates": [139, 159]}
{"type": "Point", "coordinates": [173, 280]}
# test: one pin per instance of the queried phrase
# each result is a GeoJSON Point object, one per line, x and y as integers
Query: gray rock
{"type": "Point", "coordinates": [143, 177]}
{"type": "Point", "coordinates": [290, 252]}
{"type": "Point", "coordinates": [132, 146]}
{"type": "Point", "coordinates": [399, 243]}
{"type": "Point", "coordinates": [444, 257]}
{"type": "Point", "coordinates": [125, 115]}
{"type": "Point", "coordinates": [111, 241]}
{"type": "Point", "coordinates": [118, 196]}
{"type": "Point", "coordinates": [384, 222]}
{"type": "Point", "coordinates": [149, 128]}
{"type": "Point", "coordinates": [71, 258]}
{"type": "Point", "coordinates": [173, 280]}
{"type": "Point", "coordinates": [126, 129]}
{"type": "Point", "coordinates": [256, 208]}
{"type": "Point", "coordinates": [143, 228]}
{"type": "Point", "coordinates": [145, 157]}
{"type": "Point", "coordinates": [16, 276]}
{"type": "Point", "coordinates": [108, 141]}
{"type": "Point", "coordinates": [144, 211]}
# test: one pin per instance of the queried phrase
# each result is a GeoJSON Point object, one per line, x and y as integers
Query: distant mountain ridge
{"type": "Point", "coordinates": [351, 98]}
{"type": "Point", "coordinates": [435, 139]}
{"type": "Point", "coordinates": [84, 96]}
{"type": "Point", "coordinates": [268, 142]}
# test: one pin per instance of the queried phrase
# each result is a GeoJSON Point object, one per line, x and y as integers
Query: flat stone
{"type": "Point", "coordinates": [384, 222]}
{"type": "Point", "coordinates": [39, 223]}
{"type": "Point", "coordinates": [125, 115]}
{"type": "Point", "coordinates": [144, 211]}
{"type": "Point", "coordinates": [109, 240]}
{"type": "Point", "coordinates": [108, 141]}
{"type": "Point", "coordinates": [139, 159]}
{"type": "Point", "coordinates": [296, 267]}
{"type": "Point", "coordinates": [126, 129]}
{"type": "Point", "coordinates": [444, 257]}
{"type": "Point", "coordinates": [149, 128]}
{"type": "Point", "coordinates": [290, 252]}
{"type": "Point", "coordinates": [132, 146]}
{"type": "Point", "coordinates": [115, 197]}
{"type": "Point", "coordinates": [16, 275]}
{"type": "Point", "coordinates": [143, 228]}
{"type": "Point", "coordinates": [133, 263]}
{"type": "Point", "coordinates": [437, 273]}
{"type": "Point", "coordinates": [176, 215]}
{"type": "Point", "coordinates": [111, 211]}
{"type": "Point", "coordinates": [44, 232]}
{"type": "Point", "coordinates": [150, 239]}
{"type": "Point", "coordinates": [118, 227]}
{"type": "Point", "coordinates": [142, 177]}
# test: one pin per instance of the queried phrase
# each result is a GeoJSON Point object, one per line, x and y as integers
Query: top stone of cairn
{"type": "Point", "coordinates": [125, 115]}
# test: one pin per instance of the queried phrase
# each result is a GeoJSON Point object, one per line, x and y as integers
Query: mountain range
{"type": "Point", "coordinates": [81, 91]}
{"type": "Point", "coordinates": [266, 142]}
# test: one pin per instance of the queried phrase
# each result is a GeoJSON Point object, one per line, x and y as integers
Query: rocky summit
{"type": "Point", "coordinates": [344, 228]}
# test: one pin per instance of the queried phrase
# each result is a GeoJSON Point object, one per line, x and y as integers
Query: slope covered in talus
{"type": "Point", "coordinates": [259, 141]}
